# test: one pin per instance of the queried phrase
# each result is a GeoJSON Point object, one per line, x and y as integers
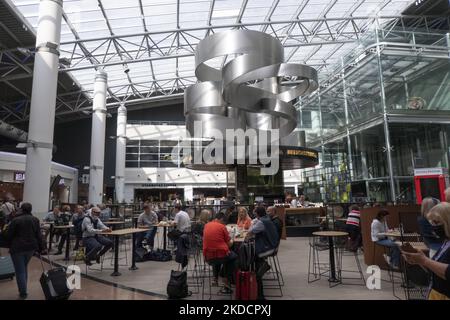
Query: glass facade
{"type": "Point", "coordinates": [153, 154]}
{"type": "Point", "coordinates": [384, 112]}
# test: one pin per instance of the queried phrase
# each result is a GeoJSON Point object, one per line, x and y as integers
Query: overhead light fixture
{"type": "Point", "coordinates": [24, 51]}
{"type": "Point", "coordinates": [126, 69]}
{"type": "Point", "coordinates": [65, 62]}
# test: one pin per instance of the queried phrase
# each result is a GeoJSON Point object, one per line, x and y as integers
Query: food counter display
{"type": "Point", "coordinates": [300, 222]}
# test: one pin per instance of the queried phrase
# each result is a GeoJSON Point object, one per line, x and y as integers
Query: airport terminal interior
{"type": "Point", "coordinates": [224, 149]}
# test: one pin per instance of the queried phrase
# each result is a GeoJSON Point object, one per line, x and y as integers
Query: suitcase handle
{"type": "Point", "coordinates": [42, 262]}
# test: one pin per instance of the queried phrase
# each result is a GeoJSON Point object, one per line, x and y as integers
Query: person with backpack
{"type": "Point", "coordinates": [96, 244]}
{"type": "Point", "coordinates": [77, 221]}
{"type": "Point", "coordinates": [24, 238]}
{"type": "Point", "coordinates": [266, 242]}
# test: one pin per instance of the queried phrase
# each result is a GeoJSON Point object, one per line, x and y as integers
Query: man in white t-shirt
{"type": "Point", "coordinates": [182, 221]}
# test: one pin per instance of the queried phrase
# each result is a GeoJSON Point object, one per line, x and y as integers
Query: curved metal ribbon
{"type": "Point", "coordinates": [247, 92]}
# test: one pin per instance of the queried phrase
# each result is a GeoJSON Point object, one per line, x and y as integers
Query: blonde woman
{"type": "Point", "coordinates": [244, 221]}
{"type": "Point", "coordinates": [439, 265]}
{"type": "Point", "coordinates": [426, 229]}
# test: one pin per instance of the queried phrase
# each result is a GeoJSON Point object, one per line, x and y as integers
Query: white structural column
{"type": "Point", "coordinates": [120, 153]}
{"type": "Point", "coordinates": [42, 110]}
{"type": "Point", "coordinates": [98, 139]}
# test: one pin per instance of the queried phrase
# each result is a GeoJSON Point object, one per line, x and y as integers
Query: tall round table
{"type": "Point", "coordinates": [330, 235]}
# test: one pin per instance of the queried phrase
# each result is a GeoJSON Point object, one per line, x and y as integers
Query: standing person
{"type": "Point", "coordinates": [378, 227]}
{"type": "Point", "coordinates": [147, 219]}
{"type": "Point", "coordinates": [244, 221]}
{"type": "Point", "coordinates": [439, 265]}
{"type": "Point", "coordinates": [353, 228]}
{"type": "Point", "coordinates": [276, 220]}
{"type": "Point", "coordinates": [25, 239]}
{"type": "Point", "coordinates": [426, 229]}
{"type": "Point", "coordinates": [96, 244]}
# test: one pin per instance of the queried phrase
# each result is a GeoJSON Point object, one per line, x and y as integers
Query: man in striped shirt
{"type": "Point", "coordinates": [353, 228]}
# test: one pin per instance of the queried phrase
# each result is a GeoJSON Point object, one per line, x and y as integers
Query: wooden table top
{"type": "Point", "coordinates": [115, 219]}
{"type": "Point", "coordinates": [330, 233]}
{"type": "Point", "coordinates": [397, 234]}
{"type": "Point", "coordinates": [64, 227]}
{"type": "Point", "coordinates": [113, 222]}
{"type": "Point", "coordinates": [126, 231]}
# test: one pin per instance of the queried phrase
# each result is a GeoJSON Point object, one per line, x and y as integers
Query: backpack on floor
{"type": "Point", "coordinates": [177, 287]}
{"type": "Point", "coordinates": [158, 255]}
{"type": "Point", "coordinates": [140, 254]}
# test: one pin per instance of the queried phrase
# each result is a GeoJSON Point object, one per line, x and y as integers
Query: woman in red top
{"type": "Point", "coordinates": [244, 221]}
{"type": "Point", "coordinates": [216, 250]}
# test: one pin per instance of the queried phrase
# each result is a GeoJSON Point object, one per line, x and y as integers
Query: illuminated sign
{"type": "Point", "coordinates": [19, 176]}
{"type": "Point", "coordinates": [304, 153]}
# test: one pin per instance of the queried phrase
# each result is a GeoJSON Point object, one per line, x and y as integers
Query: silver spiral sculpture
{"type": "Point", "coordinates": [248, 91]}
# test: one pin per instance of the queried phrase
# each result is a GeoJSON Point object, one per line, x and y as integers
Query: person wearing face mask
{"type": "Point", "coordinates": [96, 244]}
{"type": "Point", "coordinates": [426, 229]}
{"type": "Point", "coordinates": [439, 265]}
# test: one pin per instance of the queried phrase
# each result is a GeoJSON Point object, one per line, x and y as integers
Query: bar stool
{"type": "Point", "coordinates": [214, 261]}
{"type": "Point", "coordinates": [277, 275]}
{"type": "Point", "coordinates": [316, 268]}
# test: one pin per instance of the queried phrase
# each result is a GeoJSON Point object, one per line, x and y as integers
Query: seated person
{"type": "Point", "coordinates": [182, 221]}
{"type": "Point", "coordinates": [95, 243]}
{"type": "Point", "coordinates": [105, 213]}
{"type": "Point", "coordinates": [59, 219]}
{"type": "Point", "coordinates": [244, 221]}
{"type": "Point", "coordinates": [426, 229]}
{"type": "Point", "coordinates": [77, 221]}
{"type": "Point", "coordinates": [147, 219]}
{"type": "Point", "coordinates": [216, 250]}
{"type": "Point", "coordinates": [439, 264]}
{"type": "Point", "coordinates": [276, 220]}
{"type": "Point", "coordinates": [203, 219]}
{"type": "Point", "coordinates": [266, 242]}
{"type": "Point", "coordinates": [232, 215]}
{"type": "Point", "coordinates": [379, 226]}
{"type": "Point", "coordinates": [353, 228]}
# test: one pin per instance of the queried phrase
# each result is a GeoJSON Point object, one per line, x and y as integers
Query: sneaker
{"type": "Point", "coordinates": [23, 296]}
{"type": "Point", "coordinates": [226, 290]}
{"type": "Point", "coordinates": [387, 259]}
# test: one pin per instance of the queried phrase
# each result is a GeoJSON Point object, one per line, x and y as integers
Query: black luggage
{"type": "Point", "coordinates": [6, 268]}
{"type": "Point", "coordinates": [54, 283]}
{"type": "Point", "coordinates": [140, 254]}
{"type": "Point", "coordinates": [177, 287]}
{"type": "Point", "coordinates": [158, 255]}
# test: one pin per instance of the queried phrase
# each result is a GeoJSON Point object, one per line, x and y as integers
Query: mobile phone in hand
{"type": "Point", "coordinates": [407, 247]}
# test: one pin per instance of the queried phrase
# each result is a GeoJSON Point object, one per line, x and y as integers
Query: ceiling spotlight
{"type": "Point", "coordinates": [126, 69]}
{"type": "Point", "coordinates": [24, 51]}
{"type": "Point", "coordinates": [65, 62]}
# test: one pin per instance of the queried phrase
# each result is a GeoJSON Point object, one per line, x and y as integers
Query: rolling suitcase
{"type": "Point", "coordinates": [246, 285]}
{"type": "Point", "coordinates": [54, 283]}
{"type": "Point", "coordinates": [6, 268]}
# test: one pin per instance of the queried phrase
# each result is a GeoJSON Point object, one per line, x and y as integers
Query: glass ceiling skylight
{"type": "Point", "coordinates": [148, 48]}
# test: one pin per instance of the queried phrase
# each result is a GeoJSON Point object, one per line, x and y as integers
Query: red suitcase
{"type": "Point", "coordinates": [246, 285]}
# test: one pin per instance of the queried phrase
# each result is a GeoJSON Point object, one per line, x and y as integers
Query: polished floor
{"type": "Point", "coordinates": [150, 280]}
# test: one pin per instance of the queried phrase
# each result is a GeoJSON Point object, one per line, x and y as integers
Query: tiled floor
{"type": "Point", "coordinates": [152, 277]}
